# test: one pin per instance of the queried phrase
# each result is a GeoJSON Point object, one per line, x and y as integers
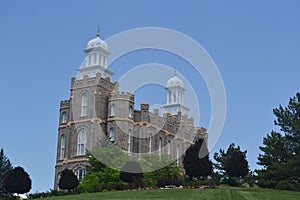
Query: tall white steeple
{"type": "Point", "coordinates": [175, 96]}
{"type": "Point", "coordinates": [96, 59]}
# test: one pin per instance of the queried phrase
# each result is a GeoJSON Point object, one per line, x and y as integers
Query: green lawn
{"type": "Point", "coordinates": [186, 194]}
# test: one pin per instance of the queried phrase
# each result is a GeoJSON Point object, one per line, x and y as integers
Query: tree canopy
{"type": "Point", "coordinates": [280, 157]}
{"type": "Point", "coordinates": [68, 180]}
{"type": "Point", "coordinates": [233, 162]}
{"type": "Point", "coordinates": [194, 165]}
{"type": "Point", "coordinates": [5, 166]}
{"type": "Point", "coordinates": [131, 172]}
{"type": "Point", "coordinates": [17, 181]}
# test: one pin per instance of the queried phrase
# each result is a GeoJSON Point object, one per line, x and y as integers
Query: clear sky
{"type": "Point", "coordinates": [255, 44]}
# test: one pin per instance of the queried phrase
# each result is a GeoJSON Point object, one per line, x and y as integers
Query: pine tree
{"type": "Point", "coordinates": [5, 166]}
{"type": "Point", "coordinates": [194, 165]}
{"type": "Point", "coordinates": [233, 162]}
{"type": "Point", "coordinates": [280, 156]}
{"type": "Point", "coordinates": [68, 180]}
{"type": "Point", "coordinates": [17, 181]}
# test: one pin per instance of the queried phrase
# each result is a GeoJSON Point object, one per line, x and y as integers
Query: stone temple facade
{"type": "Point", "coordinates": [97, 110]}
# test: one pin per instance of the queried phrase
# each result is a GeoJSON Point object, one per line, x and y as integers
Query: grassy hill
{"type": "Point", "coordinates": [186, 194]}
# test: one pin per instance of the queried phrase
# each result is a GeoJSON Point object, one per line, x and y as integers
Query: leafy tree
{"type": "Point", "coordinates": [194, 165]}
{"type": "Point", "coordinates": [5, 166]}
{"type": "Point", "coordinates": [106, 178]}
{"type": "Point", "coordinates": [154, 177]}
{"type": "Point", "coordinates": [68, 180]}
{"type": "Point", "coordinates": [232, 164]}
{"type": "Point", "coordinates": [281, 150]}
{"type": "Point", "coordinates": [17, 181]}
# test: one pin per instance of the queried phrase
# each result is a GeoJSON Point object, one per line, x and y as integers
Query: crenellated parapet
{"type": "Point", "coordinates": [64, 103]}
{"type": "Point", "coordinates": [117, 95]}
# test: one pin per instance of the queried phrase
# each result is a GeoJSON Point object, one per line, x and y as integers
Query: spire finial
{"type": "Point", "coordinates": [175, 71]}
{"type": "Point", "coordinates": [98, 32]}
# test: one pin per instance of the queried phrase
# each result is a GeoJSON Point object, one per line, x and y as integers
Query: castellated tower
{"type": "Point", "coordinates": [97, 111]}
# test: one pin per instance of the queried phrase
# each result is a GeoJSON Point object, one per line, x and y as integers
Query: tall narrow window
{"type": "Point", "coordinates": [169, 147]}
{"type": "Point", "coordinates": [130, 112]}
{"type": "Point", "coordinates": [129, 141]}
{"type": "Point", "coordinates": [64, 117]}
{"type": "Point", "coordinates": [84, 103]}
{"type": "Point", "coordinates": [177, 153]}
{"type": "Point", "coordinates": [80, 173]}
{"type": "Point", "coordinates": [159, 146]}
{"type": "Point", "coordinates": [112, 110]}
{"type": "Point", "coordinates": [150, 144]}
{"type": "Point", "coordinates": [62, 147]}
{"type": "Point", "coordinates": [112, 135]}
{"type": "Point", "coordinates": [81, 143]}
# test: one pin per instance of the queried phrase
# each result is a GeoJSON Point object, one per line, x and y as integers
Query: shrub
{"type": "Point", "coordinates": [285, 185]}
{"type": "Point", "coordinates": [17, 181]}
{"type": "Point", "coordinates": [68, 180]}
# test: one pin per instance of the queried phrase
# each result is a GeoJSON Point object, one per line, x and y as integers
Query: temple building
{"type": "Point", "coordinates": [97, 110]}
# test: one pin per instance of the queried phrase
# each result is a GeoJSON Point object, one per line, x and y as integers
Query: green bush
{"type": "Point", "coordinates": [285, 185]}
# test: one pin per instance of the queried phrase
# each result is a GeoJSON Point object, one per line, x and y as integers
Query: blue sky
{"type": "Point", "coordinates": [254, 44]}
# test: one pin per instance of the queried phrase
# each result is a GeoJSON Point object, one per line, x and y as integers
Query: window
{"type": "Point", "coordinates": [150, 144]}
{"type": "Point", "coordinates": [129, 141]}
{"type": "Point", "coordinates": [112, 136]}
{"type": "Point", "coordinates": [159, 146]}
{"type": "Point", "coordinates": [112, 110]}
{"type": "Point", "coordinates": [80, 173]}
{"type": "Point", "coordinates": [169, 147]}
{"type": "Point", "coordinates": [130, 112]}
{"type": "Point", "coordinates": [81, 143]}
{"type": "Point", "coordinates": [62, 147]}
{"type": "Point", "coordinates": [84, 105]}
{"type": "Point", "coordinates": [177, 153]}
{"type": "Point", "coordinates": [64, 117]}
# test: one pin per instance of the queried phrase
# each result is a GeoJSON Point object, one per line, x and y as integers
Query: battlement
{"type": "Point", "coordinates": [122, 95]}
{"type": "Point", "coordinates": [98, 80]}
{"type": "Point", "coordinates": [65, 103]}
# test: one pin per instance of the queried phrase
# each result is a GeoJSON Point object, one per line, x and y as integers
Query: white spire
{"type": "Point", "coordinates": [96, 59]}
{"type": "Point", "coordinates": [175, 96]}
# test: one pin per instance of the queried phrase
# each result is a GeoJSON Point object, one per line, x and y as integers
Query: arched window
{"type": "Point", "coordinates": [64, 117]}
{"type": "Point", "coordinates": [84, 103]}
{"type": "Point", "coordinates": [159, 146]}
{"type": "Point", "coordinates": [81, 143]}
{"type": "Point", "coordinates": [129, 141]}
{"type": "Point", "coordinates": [130, 112]}
{"type": "Point", "coordinates": [169, 147]}
{"type": "Point", "coordinates": [150, 144]}
{"type": "Point", "coordinates": [62, 147]}
{"type": "Point", "coordinates": [112, 110]}
{"type": "Point", "coordinates": [177, 153]}
{"type": "Point", "coordinates": [112, 135]}
{"type": "Point", "coordinates": [80, 173]}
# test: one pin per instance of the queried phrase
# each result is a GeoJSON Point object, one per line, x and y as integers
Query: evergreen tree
{"type": "Point", "coordinates": [281, 151]}
{"type": "Point", "coordinates": [233, 162]}
{"type": "Point", "coordinates": [194, 165]}
{"type": "Point", "coordinates": [236, 164]}
{"type": "Point", "coordinates": [68, 180]}
{"type": "Point", "coordinates": [17, 181]}
{"type": "Point", "coordinates": [5, 166]}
